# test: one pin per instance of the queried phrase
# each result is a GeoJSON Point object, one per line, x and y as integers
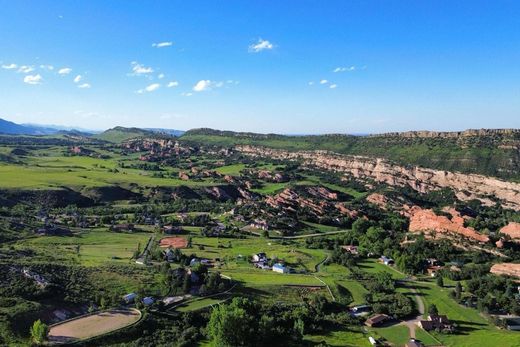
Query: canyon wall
{"type": "Point", "coordinates": [466, 186]}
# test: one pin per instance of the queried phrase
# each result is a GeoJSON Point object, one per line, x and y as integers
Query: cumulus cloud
{"type": "Point", "coordinates": [47, 67]}
{"type": "Point", "coordinates": [202, 85]}
{"type": "Point", "coordinates": [260, 45]}
{"type": "Point", "coordinates": [65, 71]}
{"type": "Point", "coordinates": [333, 86]}
{"type": "Point", "coordinates": [77, 79]}
{"type": "Point", "coordinates": [33, 79]}
{"type": "Point", "coordinates": [9, 67]}
{"type": "Point", "coordinates": [172, 84]}
{"type": "Point", "coordinates": [160, 76]}
{"type": "Point", "coordinates": [324, 82]}
{"type": "Point", "coordinates": [311, 83]}
{"type": "Point", "coordinates": [139, 69]}
{"type": "Point", "coordinates": [148, 89]}
{"type": "Point", "coordinates": [84, 86]}
{"type": "Point", "coordinates": [186, 94]}
{"type": "Point", "coordinates": [162, 44]}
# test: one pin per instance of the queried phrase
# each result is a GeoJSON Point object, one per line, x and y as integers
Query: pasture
{"type": "Point", "coordinates": [90, 248]}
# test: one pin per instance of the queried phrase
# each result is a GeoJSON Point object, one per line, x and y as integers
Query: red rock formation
{"type": "Point", "coordinates": [512, 229]}
{"type": "Point", "coordinates": [507, 269]}
{"type": "Point", "coordinates": [422, 220]}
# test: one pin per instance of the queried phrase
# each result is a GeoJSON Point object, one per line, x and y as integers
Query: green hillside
{"type": "Point", "coordinates": [121, 134]}
{"type": "Point", "coordinates": [491, 152]}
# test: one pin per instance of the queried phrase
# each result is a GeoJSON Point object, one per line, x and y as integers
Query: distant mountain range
{"type": "Point", "coordinates": [11, 128]}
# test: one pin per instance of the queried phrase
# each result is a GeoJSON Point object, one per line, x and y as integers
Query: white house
{"type": "Point", "coordinates": [259, 257]}
{"type": "Point", "coordinates": [280, 268]}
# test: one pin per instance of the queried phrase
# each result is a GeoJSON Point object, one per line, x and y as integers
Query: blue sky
{"type": "Point", "coordinates": [264, 66]}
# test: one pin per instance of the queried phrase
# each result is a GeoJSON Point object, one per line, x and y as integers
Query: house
{"type": "Point", "coordinates": [413, 343]}
{"type": "Point", "coordinates": [172, 300]}
{"type": "Point", "coordinates": [260, 224]}
{"type": "Point", "coordinates": [351, 249]}
{"type": "Point", "coordinates": [259, 257]}
{"type": "Point", "coordinates": [433, 270]}
{"type": "Point", "coordinates": [129, 298]}
{"type": "Point", "coordinates": [387, 261]}
{"type": "Point", "coordinates": [169, 255]}
{"type": "Point", "coordinates": [360, 310]}
{"type": "Point", "coordinates": [147, 301]}
{"type": "Point", "coordinates": [377, 320]}
{"type": "Point", "coordinates": [278, 267]}
{"type": "Point", "coordinates": [436, 322]}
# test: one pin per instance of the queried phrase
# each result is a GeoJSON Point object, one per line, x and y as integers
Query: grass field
{"type": "Point", "coordinates": [96, 247]}
{"type": "Point", "coordinates": [352, 337]}
{"type": "Point", "coordinates": [472, 328]}
{"type": "Point", "coordinates": [92, 325]}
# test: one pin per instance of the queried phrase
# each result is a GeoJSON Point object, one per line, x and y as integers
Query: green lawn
{"type": "Point", "coordinates": [473, 329]}
{"type": "Point", "coordinates": [351, 337]}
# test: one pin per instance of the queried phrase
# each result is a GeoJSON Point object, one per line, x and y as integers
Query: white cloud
{"type": "Point", "coordinates": [33, 79]}
{"type": "Point", "coordinates": [202, 85]}
{"type": "Point", "coordinates": [186, 94]}
{"type": "Point", "coordinates": [26, 69]}
{"type": "Point", "coordinates": [148, 89]}
{"type": "Point", "coordinates": [65, 71]}
{"type": "Point", "coordinates": [162, 44]}
{"type": "Point", "coordinates": [261, 45]}
{"type": "Point", "coordinates": [333, 86]}
{"type": "Point", "coordinates": [9, 67]}
{"type": "Point", "coordinates": [311, 83]}
{"type": "Point", "coordinates": [172, 84]}
{"type": "Point", "coordinates": [77, 79]}
{"type": "Point", "coordinates": [84, 86]}
{"type": "Point", "coordinates": [139, 69]}
{"type": "Point", "coordinates": [324, 82]}
{"type": "Point", "coordinates": [47, 67]}
{"type": "Point", "coordinates": [344, 69]}
{"type": "Point", "coordinates": [161, 76]}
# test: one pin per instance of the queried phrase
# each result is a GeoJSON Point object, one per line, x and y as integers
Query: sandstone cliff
{"type": "Point", "coordinates": [466, 186]}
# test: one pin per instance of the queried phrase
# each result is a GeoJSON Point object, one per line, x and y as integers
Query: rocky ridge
{"type": "Point", "coordinates": [466, 186]}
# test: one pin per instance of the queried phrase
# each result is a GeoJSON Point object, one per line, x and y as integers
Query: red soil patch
{"type": "Point", "coordinates": [174, 242]}
{"type": "Point", "coordinates": [507, 269]}
{"type": "Point", "coordinates": [378, 200]}
{"type": "Point", "coordinates": [512, 229]}
{"type": "Point", "coordinates": [427, 220]}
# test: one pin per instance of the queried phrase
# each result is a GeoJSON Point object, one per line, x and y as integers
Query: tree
{"type": "Point", "coordinates": [458, 291]}
{"type": "Point", "coordinates": [433, 310]}
{"type": "Point", "coordinates": [39, 332]}
{"type": "Point", "coordinates": [229, 325]}
{"type": "Point", "coordinates": [440, 281]}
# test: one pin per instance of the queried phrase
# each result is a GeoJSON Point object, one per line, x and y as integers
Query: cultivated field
{"type": "Point", "coordinates": [92, 325]}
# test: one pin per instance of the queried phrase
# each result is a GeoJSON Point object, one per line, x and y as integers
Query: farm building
{"type": "Point", "coordinates": [129, 298]}
{"type": "Point", "coordinates": [386, 260]}
{"type": "Point", "coordinates": [147, 301]}
{"type": "Point", "coordinates": [280, 268]}
{"type": "Point", "coordinates": [259, 257]}
{"type": "Point", "coordinates": [377, 320]}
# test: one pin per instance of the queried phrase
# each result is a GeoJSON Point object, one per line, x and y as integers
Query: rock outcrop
{"type": "Point", "coordinates": [424, 220]}
{"type": "Point", "coordinates": [507, 269]}
{"type": "Point", "coordinates": [466, 186]}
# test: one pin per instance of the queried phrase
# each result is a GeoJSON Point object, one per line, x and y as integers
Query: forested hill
{"type": "Point", "coordinates": [488, 152]}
